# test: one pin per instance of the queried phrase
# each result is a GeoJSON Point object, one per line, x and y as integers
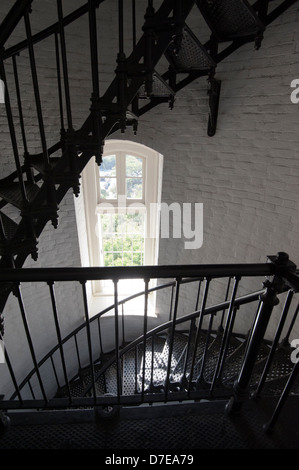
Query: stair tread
{"type": "Point", "coordinates": [37, 161]}
{"type": "Point", "coordinates": [160, 89]}
{"type": "Point", "coordinates": [11, 193]}
{"type": "Point", "coordinates": [230, 19]}
{"type": "Point", "coordinates": [191, 56]}
{"type": "Point", "coordinates": [10, 227]}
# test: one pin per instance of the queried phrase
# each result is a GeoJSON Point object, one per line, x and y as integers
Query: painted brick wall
{"type": "Point", "coordinates": [246, 176]}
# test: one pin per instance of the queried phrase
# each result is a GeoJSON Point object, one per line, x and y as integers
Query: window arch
{"type": "Point", "coordinates": [118, 209]}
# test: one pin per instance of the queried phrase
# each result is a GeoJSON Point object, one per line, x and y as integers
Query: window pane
{"type": "Point", "coordinates": [108, 166]}
{"type": "Point", "coordinates": [123, 239]}
{"type": "Point", "coordinates": [133, 166]}
{"type": "Point", "coordinates": [134, 188]}
{"type": "Point", "coordinates": [108, 188]}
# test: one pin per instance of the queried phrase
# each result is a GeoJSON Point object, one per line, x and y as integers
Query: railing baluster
{"type": "Point", "coordinates": [13, 134]}
{"type": "Point", "coordinates": [136, 369]}
{"type": "Point", "coordinates": [171, 302]}
{"type": "Point", "coordinates": [93, 48]}
{"type": "Point", "coordinates": [198, 331]}
{"type": "Point", "coordinates": [64, 66]}
{"type": "Point", "coordinates": [269, 426]}
{"type": "Point", "coordinates": [89, 343]}
{"type": "Point", "coordinates": [100, 336]}
{"type": "Point", "coordinates": [286, 339]}
{"type": "Point", "coordinates": [146, 281]}
{"type": "Point", "coordinates": [205, 353]}
{"type": "Point", "coordinates": [58, 332]}
{"type": "Point", "coordinates": [36, 89]}
{"type": "Point", "coordinates": [226, 297]}
{"type": "Point", "coordinates": [123, 321]}
{"type": "Point", "coordinates": [12, 374]}
{"type": "Point", "coordinates": [17, 292]}
{"type": "Point", "coordinates": [77, 351]}
{"type": "Point", "coordinates": [284, 315]}
{"type": "Point", "coordinates": [226, 335]}
{"type": "Point", "coordinates": [55, 372]}
{"type": "Point", "coordinates": [117, 349]}
{"type": "Point", "coordinates": [171, 338]}
{"type": "Point", "coordinates": [134, 22]}
{"type": "Point", "coordinates": [60, 100]}
{"type": "Point", "coordinates": [17, 85]}
{"type": "Point", "coordinates": [152, 363]}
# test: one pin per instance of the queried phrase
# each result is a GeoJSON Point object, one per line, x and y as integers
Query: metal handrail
{"type": "Point", "coordinates": [136, 272]}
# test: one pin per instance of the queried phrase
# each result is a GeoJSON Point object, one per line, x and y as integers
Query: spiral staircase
{"type": "Point", "coordinates": [167, 368]}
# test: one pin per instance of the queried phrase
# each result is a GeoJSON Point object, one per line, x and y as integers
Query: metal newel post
{"type": "Point", "coordinates": [268, 300]}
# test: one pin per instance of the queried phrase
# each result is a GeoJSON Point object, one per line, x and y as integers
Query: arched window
{"type": "Point", "coordinates": [118, 209]}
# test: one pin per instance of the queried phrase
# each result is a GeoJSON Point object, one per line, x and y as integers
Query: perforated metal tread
{"type": "Point", "coordinates": [191, 55]}
{"type": "Point", "coordinates": [158, 427]}
{"type": "Point", "coordinates": [230, 19]}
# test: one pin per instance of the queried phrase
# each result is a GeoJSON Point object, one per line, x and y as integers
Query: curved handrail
{"type": "Point", "coordinates": [210, 310]}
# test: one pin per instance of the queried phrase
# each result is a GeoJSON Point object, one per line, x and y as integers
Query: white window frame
{"type": "Point", "coordinates": [89, 205]}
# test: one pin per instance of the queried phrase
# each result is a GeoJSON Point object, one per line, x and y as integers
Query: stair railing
{"type": "Point", "coordinates": [189, 386]}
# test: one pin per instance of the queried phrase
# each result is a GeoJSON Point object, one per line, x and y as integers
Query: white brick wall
{"type": "Point", "coordinates": [246, 175]}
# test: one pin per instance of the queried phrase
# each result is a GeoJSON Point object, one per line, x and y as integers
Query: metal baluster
{"type": "Point", "coordinates": [152, 363]}
{"type": "Point", "coordinates": [17, 85]}
{"type": "Point", "coordinates": [226, 335]}
{"type": "Point", "coordinates": [89, 343]}
{"type": "Point", "coordinates": [286, 340]}
{"type": "Point", "coordinates": [100, 336]}
{"type": "Point", "coordinates": [205, 353]}
{"type": "Point", "coordinates": [123, 322]}
{"type": "Point", "coordinates": [171, 302]}
{"type": "Point", "coordinates": [269, 426]}
{"type": "Point", "coordinates": [284, 314]}
{"type": "Point", "coordinates": [148, 52]}
{"type": "Point", "coordinates": [146, 281]}
{"type": "Point", "coordinates": [58, 332]}
{"type": "Point", "coordinates": [95, 97]}
{"type": "Point", "coordinates": [13, 135]}
{"type": "Point", "coordinates": [226, 297]}
{"type": "Point", "coordinates": [190, 335]}
{"type": "Point", "coordinates": [12, 374]}
{"type": "Point", "coordinates": [61, 112]}
{"type": "Point", "coordinates": [77, 351]}
{"type": "Point", "coordinates": [121, 68]}
{"type": "Point", "coordinates": [31, 390]}
{"type": "Point", "coordinates": [136, 369]}
{"type": "Point", "coordinates": [198, 331]}
{"type": "Point", "coordinates": [171, 339]}
{"type": "Point", "coordinates": [55, 372]}
{"type": "Point", "coordinates": [134, 22]}
{"type": "Point", "coordinates": [36, 89]}
{"type": "Point", "coordinates": [64, 66]}
{"type": "Point", "coordinates": [118, 364]}
{"type": "Point", "coordinates": [18, 294]}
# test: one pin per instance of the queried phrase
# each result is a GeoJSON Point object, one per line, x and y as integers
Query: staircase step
{"type": "Point", "coordinates": [191, 55]}
{"type": "Point", "coordinates": [230, 19]}
{"type": "Point", "coordinates": [9, 226]}
{"type": "Point", "coordinates": [37, 162]}
{"type": "Point", "coordinates": [160, 89]}
{"type": "Point", "coordinates": [11, 193]}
